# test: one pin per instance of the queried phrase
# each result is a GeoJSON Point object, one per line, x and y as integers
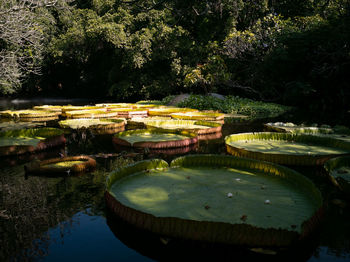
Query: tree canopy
{"type": "Point", "coordinates": [284, 51]}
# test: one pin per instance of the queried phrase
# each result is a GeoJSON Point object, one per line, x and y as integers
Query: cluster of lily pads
{"type": "Point", "coordinates": [238, 200]}
{"type": "Point", "coordinates": [155, 121]}
{"type": "Point", "coordinates": [333, 143]}
{"type": "Point", "coordinates": [247, 199]}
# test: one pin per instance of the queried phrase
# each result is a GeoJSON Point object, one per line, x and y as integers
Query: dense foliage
{"type": "Point", "coordinates": [291, 52]}
{"type": "Point", "coordinates": [235, 105]}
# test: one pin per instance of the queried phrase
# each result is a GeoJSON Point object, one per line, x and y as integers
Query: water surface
{"type": "Point", "coordinates": [65, 218]}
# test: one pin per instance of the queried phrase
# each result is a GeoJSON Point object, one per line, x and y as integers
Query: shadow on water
{"type": "Point", "coordinates": [162, 248]}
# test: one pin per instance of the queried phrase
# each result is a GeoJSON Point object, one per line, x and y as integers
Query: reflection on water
{"type": "Point", "coordinates": [161, 248]}
{"type": "Point", "coordinates": [28, 103]}
{"type": "Point", "coordinates": [64, 218]}
{"type": "Point", "coordinates": [29, 207]}
{"type": "Point", "coordinates": [73, 240]}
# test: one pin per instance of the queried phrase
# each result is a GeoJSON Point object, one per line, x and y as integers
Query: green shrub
{"type": "Point", "coordinates": [235, 105]}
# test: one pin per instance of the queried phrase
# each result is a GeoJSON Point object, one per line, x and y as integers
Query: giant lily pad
{"type": "Point", "coordinates": [12, 125]}
{"type": "Point", "coordinates": [49, 108]}
{"type": "Point", "coordinates": [205, 116]}
{"type": "Point", "coordinates": [343, 137]}
{"type": "Point", "coordinates": [155, 138]}
{"type": "Point", "coordinates": [323, 130]}
{"type": "Point", "coordinates": [339, 172]}
{"type": "Point", "coordinates": [93, 113]}
{"type": "Point", "coordinates": [30, 114]}
{"type": "Point", "coordinates": [146, 106]}
{"type": "Point", "coordinates": [73, 108]}
{"type": "Point", "coordinates": [168, 111]}
{"type": "Point", "coordinates": [69, 108]}
{"type": "Point", "coordinates": [66, 165]}
{"type": "Point", "coordinates": [293, 128]}
{"type": "Point", "coordinates": [116, 105]}
{"type": "Point", "coordinates": [130, 112]}
{"type": "Point", "coordinates": [199, 127]}
{"type": "Point", "coordinates": [286, 148]}
{"type": "Point", "coordinates": [140, 122]}
{"type": "Point", "coordinates": [22, 141]}
{"type": "Point", "coordinates": [215, 198]}
{"type": "Point", "coordinates": [93, 124]}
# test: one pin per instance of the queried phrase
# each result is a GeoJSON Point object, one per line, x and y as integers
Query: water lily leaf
{"type": "Point", "coordinates": [166, 202]}
{"type": "Point", "coordinates": [339, 172]}
{"type": "Point", "coordinates": [65, 165]}
{"type": "Point", "coordinates": [158, 138]}
{"type": "Point", "coordinates": [286, 148]}
{"type": "Point", "coordinates": [20, 141]}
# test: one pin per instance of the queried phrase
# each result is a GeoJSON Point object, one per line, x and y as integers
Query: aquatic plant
{"type": "Point", "coordinates": [338, 169]}
{"type": "Point", "coordinates": [20, 141]}
{"type": "Point", "coordinates": [218, 199]}
{"type": "Point", "coordinates": [64, 165]}
{"type": "Point", "coordinates": [155, 139]}
{"type": "Point", "coordinates": [286, 148]}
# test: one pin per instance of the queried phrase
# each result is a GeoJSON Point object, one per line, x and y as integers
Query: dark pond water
{"type": "Point", "coordinates": [65, 218]}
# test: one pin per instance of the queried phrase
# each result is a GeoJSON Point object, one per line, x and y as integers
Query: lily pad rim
{"type": "Point", "coordinates": [111, 200]}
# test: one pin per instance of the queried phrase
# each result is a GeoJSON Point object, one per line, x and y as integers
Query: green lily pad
{"type": "Point", "coordinates": [298, 129]}
{"type": "Point", "coordinates": [158, 138]}
{"type": "Point", "coordinates": [116, 105]}
{"type": "Point", "coordinates": [19, 141]}
{"type": "Point", "coordinates": [286, 148]}
{"type": "Point", "coordinates": [198, 116]}
{"type": "Point", "coordinates": [13, 142]}
{"type": "Point", "coordinates": [337, 132]}
{"type": "Point", "coordinates": [48, 108]}
{"type": "Point", "coordinates": [39, 133]}
{"type": "Point", "coordinates": [130, 112]}
{"type": "Point", "coordinates": [342, 137]}
{"type": "Point", "coordinates": [67, 108]}
{"type": "Point", "coordinates": [199, 127]}
{"type": "Point", "coordinates": [91, 123]}
{"type": "Point", "coordinates": [73, 164]}
{"type": "Point", "coordinates": [146, 136]}
{"type": "Point", "coordinates": [167, 111]}
{"type": "Point", "coordinates": [64, 164]}
{"type": "Point", "coordinates": [12, 125]}
{"type": "Point", "coordinates": [90, 113]}
{"type": "Point", "coordinates": [221, 198]}
{"type": "Point", "coordinates": [178, 124]}
{"type": "Point", "coordinates": [339, 172]}
{"type": "Point", "coordinates": [29, 114]}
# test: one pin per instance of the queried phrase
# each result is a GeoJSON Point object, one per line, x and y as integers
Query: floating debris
{"type": "Point", "coordinates": [229, 195]}
{"type": "Point", "coordinates": [267, 201]}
